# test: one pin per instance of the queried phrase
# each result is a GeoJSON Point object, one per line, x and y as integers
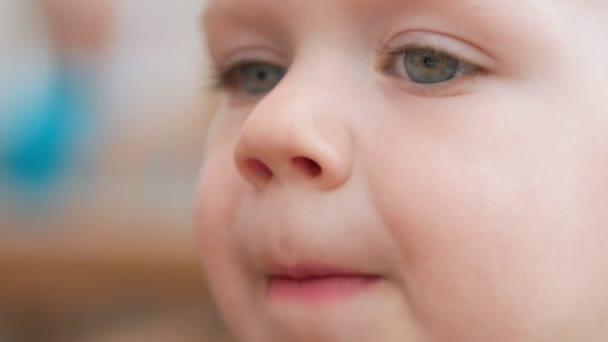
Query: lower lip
{"type": "Point", "coordinates": [319, 289]}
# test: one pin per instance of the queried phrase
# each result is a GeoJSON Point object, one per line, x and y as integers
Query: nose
{"type": "Point", "coordinates": [295, 139]}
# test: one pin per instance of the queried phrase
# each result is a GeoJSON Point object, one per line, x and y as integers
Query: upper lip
{"type": "Point", "coordinates": [306, 271]}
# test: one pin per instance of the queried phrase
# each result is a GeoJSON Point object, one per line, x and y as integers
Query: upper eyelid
{"type": "Point", "coordinates": [389, 57]}
{"type": "Point", "coordinates": [249, 55]}
{"type": "Point", "coordinates": [464, 51]}
{"type": "Point", "coordinates": [454, 47]}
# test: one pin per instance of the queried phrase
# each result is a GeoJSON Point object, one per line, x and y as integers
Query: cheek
{"type": "Point", "coordinates": [217, 203]}
{"type": "Point", "coordinates": [214, 211]}
{"type": "Point", "coordinates": [494, 238]}
{"type": "Point", "coordinates": [464, 254]}
{"type": "Point", "coordinates": [217, 197]}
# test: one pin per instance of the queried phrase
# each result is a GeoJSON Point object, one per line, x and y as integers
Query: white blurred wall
{"type": "Point", "coordinates": [154, 64]}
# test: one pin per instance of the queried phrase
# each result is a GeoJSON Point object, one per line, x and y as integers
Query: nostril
{"type": "Point", "coordinates": [308, 165]}
{"type": "Point", "coordinates": [258, 169]}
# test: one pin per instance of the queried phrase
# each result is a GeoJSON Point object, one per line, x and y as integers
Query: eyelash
{"type": "Point", "coordinates": [223, 77]}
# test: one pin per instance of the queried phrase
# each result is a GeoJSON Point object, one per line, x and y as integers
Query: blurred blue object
{"type": "Point", "coordinates": [43, 133]}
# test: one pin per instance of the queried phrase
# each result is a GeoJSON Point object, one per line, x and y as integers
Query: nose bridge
{"type": "Point", "coordinates": [295, 133]}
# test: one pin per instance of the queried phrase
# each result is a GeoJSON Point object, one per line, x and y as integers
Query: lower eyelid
{"type": "Point", "coordinates": [439, 90]}
{"type": "Point", "coordinates": [456, 86]}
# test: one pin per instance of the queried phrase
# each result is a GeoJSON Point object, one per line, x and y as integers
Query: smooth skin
{"type": "Point", "coordinates": [481, 202]}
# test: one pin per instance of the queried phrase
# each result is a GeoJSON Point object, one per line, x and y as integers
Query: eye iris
{"type": "Point", "coordinates": [427, 66]}
{"type": "Point", "coordinates": [259, 78]}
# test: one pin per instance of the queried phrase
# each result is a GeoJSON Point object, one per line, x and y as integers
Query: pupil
{"type": "Point", "coordinates": [262, 75]}
{"type": "Point", "coordinates": [429, 62]}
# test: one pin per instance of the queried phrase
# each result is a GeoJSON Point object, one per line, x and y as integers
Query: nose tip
{"type": "Point", "coordinates": [302, 156]}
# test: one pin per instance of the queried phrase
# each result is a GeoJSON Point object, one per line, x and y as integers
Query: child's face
{"type": "Point", "coordinates": [424, 170]}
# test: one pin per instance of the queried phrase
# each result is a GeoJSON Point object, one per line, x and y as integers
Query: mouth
{"type": "Point", "coordinates": [316, 284]}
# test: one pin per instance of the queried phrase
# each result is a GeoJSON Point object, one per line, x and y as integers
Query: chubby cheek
{"type": "Point", "coordinates": [459, 276]}
{"type": "Point", "coordinates": [488, 244]}
{"type": "Point", "coordinates": [217, 202]}
{"type": "Point", "coordinates": [461, 269]}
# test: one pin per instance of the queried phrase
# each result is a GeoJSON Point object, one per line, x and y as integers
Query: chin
{"type": "Point", "coordinates": [361, 319]}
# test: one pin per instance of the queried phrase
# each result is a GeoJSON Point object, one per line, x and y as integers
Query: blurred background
{"type": "Point", "coordinates": [102, 123]}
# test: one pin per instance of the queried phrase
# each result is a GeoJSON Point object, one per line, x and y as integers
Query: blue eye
{"type": "Point", "coordinates": [428, 66]}
{"type": "Point", "coordinates": [258, 78]}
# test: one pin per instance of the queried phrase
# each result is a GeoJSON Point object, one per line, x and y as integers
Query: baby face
{"type": "Point", "coordinates": [408, 170]}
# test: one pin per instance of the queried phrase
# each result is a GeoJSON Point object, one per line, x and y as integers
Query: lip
{"type": "Point", "coordinates": [308, 283]}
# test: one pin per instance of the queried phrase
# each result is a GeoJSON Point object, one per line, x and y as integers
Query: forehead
{"type": "Point", "coordinates": [313, 15]}
{"type": "Point", "coordinates": [363, 17]}
{"type": "Point", "coordinates": [506, 26]}
{"type": "Point", "coordinates": [594, 10]}
{"type": "Point", "coordinates": [220, 8]}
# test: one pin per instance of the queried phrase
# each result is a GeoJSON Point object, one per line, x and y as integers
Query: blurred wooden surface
{"type": "Point", "coordinates": [113, 284]}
